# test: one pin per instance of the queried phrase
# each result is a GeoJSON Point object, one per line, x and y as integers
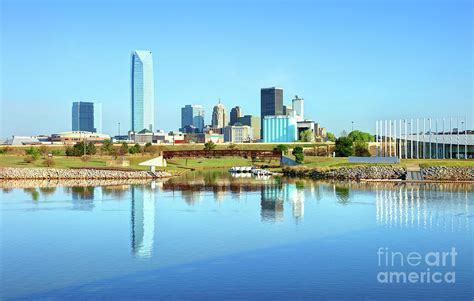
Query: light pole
{"type": "Point", "coordinates": [119, 130]}
{"type": "Point", "coordinates": [352, 122]}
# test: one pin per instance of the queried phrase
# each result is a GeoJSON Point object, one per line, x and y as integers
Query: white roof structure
{"type": "Point", "coordinates": [158, 161]}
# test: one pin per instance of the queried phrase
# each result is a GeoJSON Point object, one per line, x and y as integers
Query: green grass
{"type": "Point", "coordinates": [205, 163]}
{"type": "Point", "coordinates": [60, 162]}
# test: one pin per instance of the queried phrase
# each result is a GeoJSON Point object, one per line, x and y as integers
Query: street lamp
{"type": "Point", "coordinates": [352, 125]}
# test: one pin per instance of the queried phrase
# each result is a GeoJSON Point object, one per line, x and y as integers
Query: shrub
{"type": "Point", "coordinates": [85, 158]}
{"type": "Point", "coordinates": [343, 147]}
{"type": "Point", "coordinates": [29, 159]}
{"type": "Point", "coordinates": [34, 152]}
{"type": "Point", "coordinates": [361, 149]}
{"type": "Point", "coordinates": [209, 145]}
{"type": "Point", "coordinates": [298, 153]}
{"type": "Point", "coordinates": [49, 162]}
{"type": "Point", "coordinates": [232, 146]}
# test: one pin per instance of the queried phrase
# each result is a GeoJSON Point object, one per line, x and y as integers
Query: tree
{"type": "Point", "coordinates": [357, 135]}
{"type": "Point", "coordinates": [343, 147]}
{"type": "Point", "coordinates": [123, 150]}
{"type": "Point", "coordinates": [361, 149]}
{"type": "Point", "coordinates": [282, 148]}
{"type": "Point", "coordinates": [107, 147]}
{"type": "Point", "coordinates": [307, 136]}
{"type": "Point", "coordinates": [91, 149]}
{"type": "Point", "coordinates": [134, 149]}
{"type": "Point", "coordinates": [147, 147]}
{"type": "Point", "coordinates": [33, 152]}
{"type": "Point", "coordinates": [330, 137]}
{"type": "Point", "coordinates": [209, 145]}
{"type": "Point", "coordinates": [232, 146]}
{"type": "Point", "coordinates": [298, 153]}
{"type": "Point", "coordinates": [48, 162]}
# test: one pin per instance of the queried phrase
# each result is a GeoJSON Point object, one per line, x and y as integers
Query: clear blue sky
{"type": "Point", "coordinates": [350, 60]}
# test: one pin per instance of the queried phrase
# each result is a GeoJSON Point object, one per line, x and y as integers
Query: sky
{"type": "Point", "coordinates": [359, 61]}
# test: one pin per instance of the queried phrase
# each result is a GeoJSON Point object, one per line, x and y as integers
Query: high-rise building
{"type": "Point", "coordinates": [192, 115]}
{"type": "Point", "coordinates": [271, 103]}
{"type": "Point", "coordinates": [219, 118]}
{"type": "Point", "coordinates": [235, 114]}
{"type": "Point", "coordinates": [253, 122]}
{"type": "Point", "coordinates": [143, 91]}
{"type": "Point", "coordinates": [98, 117]}
{"type": "Point", "coordinates": [298, 107]}
{"type": "Point", "coordinates": [83, 116]}
{"type": "Point", "coordinates": [280, 129]}
{"type": "Point", "coordinates": [238, 133]}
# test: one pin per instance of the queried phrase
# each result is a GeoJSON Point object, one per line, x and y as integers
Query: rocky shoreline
{"type": "Point", "coordinates": [71, 174]}
{"type": "Point", "coordinates": [434, 173]}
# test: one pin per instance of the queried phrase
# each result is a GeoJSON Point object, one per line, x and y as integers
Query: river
{"type": "Point", "coordinates": [211, 236]}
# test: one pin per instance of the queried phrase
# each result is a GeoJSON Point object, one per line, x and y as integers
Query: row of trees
{"type": "Point", "coordinates": [355, 143]}
{"type": "Point", "coordinates": [107, 148]}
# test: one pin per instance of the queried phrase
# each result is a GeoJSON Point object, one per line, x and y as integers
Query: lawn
{"type": "Point", "coordinates": [60, 162]}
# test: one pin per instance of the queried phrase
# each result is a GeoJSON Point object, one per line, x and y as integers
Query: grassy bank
{"type": "Point", "coordinates": [214, 163]}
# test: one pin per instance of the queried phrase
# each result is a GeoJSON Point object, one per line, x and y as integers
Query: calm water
{"type": "Point", "coordinates": [212, 237]}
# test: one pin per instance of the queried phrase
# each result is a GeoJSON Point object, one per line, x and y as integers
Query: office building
{"type": "Point", "coordinates": [192, 117]}
{"type": "Point", "coordinates": [235, 114]}
{"type": "Point", "coordinates": [219, 118]}
{"type": "Point", "coordinates": [298, 107]}
{"type": "Point", "coordinates": [78, 136]}
{"type": "Point", "coordinates": [280, 129]}
{"type": "Point", "coordinates": [83, 116]}
{"type": "Point", "coordinates": [271, 103]}
{"type": "Point", "coordinates": [238, 133]}
{"type": "Point", "coordinates": [253, 122]}
{"type": "Point", "coordinates": [142, 91]}
{"type": "Point", "coordinates": [287, 110]}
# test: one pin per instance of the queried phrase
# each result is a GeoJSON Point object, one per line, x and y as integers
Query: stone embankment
{"type": "Point", "coordinates": [438, 173]}
{"type": "Point", "coordinates": [444, 173]}
{"type": "Point", "coordinates": [356, 173]}
{"type": "Point", "coordinates": [89, 174]}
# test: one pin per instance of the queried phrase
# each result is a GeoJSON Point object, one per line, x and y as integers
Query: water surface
{"type": "Point", "coordinates": [210, 236]}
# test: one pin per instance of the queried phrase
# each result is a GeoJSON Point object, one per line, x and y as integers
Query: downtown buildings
{"type": "Point", "coordinates": [142, 91]}
{"type": "Point", "coordinates": [86, 116]}
{"type": "Point", "coordinates": [219, 117]}
{"type": "Point", "coordinates": [192, 118]}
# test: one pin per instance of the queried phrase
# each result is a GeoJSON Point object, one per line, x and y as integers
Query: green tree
{"type": "Point", "coordinates": [282, 148]}
{"type": "Point", "coordinates": [123, 150]}
{"type": "Point", "coordinates": [107, 147]}
{"type": "Point", "coordinates": [361, 149]}
{"type": "Point", "coordinates": [307, 136]}
{"type": "Point", "coordinates": [134, 149]}
{"type": "Point", "coordinates": [330, 137]}
{"type": "Point", "coordinates": [91, 149]}
{"type": "Point", "coordinates": [343, 147]}
{"type": "Point", "coordinates": [232, 146]}
{"type": "Point", "coordinates": [33, 152]}
{"type": "Point", "coordinates": [298, 153]}
{"type": "Point", "coordinates": [357, 135]}
{"type": "Point", "coordinates": [209, 145]}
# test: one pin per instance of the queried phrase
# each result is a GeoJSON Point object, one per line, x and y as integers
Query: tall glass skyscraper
{"type": "Point", "coordinates": [192, 115]}
{"type": "Point", "coordinates": [143, 92]}
{"type": "Point", "coordinates": [83, 116]}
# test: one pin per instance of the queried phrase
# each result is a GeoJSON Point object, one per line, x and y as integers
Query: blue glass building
{"type": "Point", "coordinates": [142, 91]}
{"type": "Point", "coordinates": [192, 115]}
{"type": "Point", "coordinates": [83, 116]}
{"type": "Point", "coordinates": [280, 129]}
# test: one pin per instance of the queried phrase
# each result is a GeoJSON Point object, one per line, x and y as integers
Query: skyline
{"type": "Point", "coordinates": [387, 61]}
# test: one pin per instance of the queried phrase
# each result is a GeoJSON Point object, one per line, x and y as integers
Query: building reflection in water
{"type": "Point", "coordinates": [273, 198]}
{"type": "Point", "coordinates": [423, 206]}
{"type": "Point", "coordinates": [271, 203]}
{"type": "Point", "coordinates": [143, 220]}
